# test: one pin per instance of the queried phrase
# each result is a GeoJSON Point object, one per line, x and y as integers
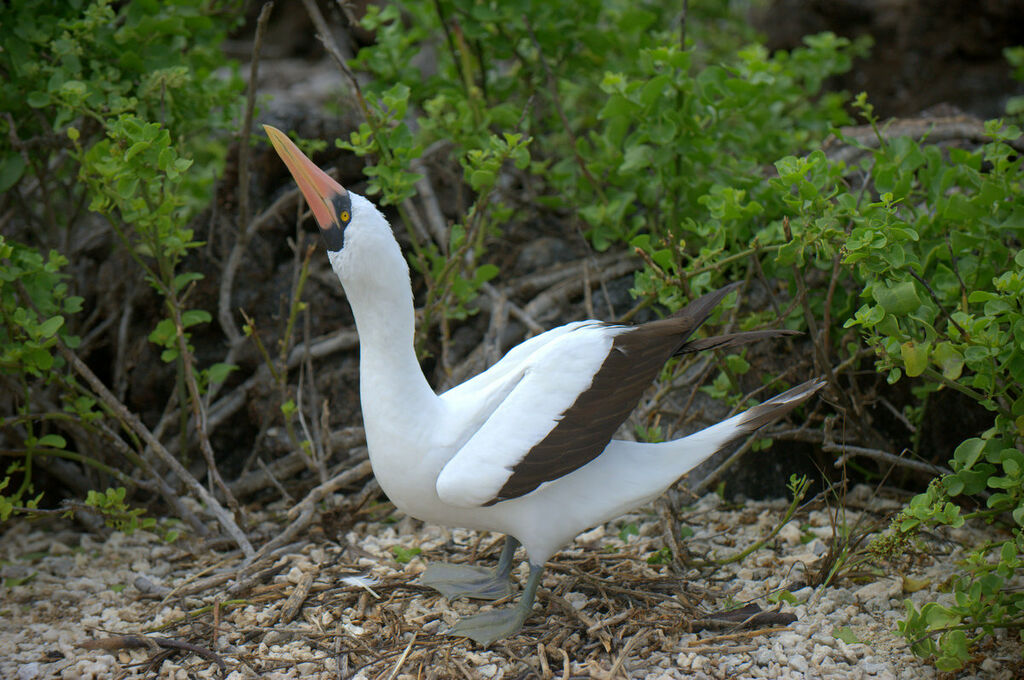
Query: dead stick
{"type": "Point", "coordinates": [227, 280]}
{"type": "Point", "coordinates": [199, 412]}
{"type": "Point", "coordinates": [849, 451]}
{"type": "Point", "coordinates": [132, 421]}
{"type": "Point", "coordinates": [303, 512]}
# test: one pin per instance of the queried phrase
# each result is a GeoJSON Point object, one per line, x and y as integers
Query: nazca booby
{"type": "Point", "coordinates": [524, 448]}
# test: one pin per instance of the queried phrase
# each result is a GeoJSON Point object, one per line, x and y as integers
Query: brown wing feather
{"type": "Point", "coordinates": [587, 426]}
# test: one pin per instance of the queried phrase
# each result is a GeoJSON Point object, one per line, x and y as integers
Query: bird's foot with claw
{"type": "Point", "coordinates": [461, 580]}
{"type": "Point", "coordinates": [490, 626]}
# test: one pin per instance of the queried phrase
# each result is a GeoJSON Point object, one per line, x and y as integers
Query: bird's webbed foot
{"type": "Point", "coordinates": [479, 583]}
{"type": "Point", "coordinates": [496, 624]}
{"type": "Point", "coordinates": [462, 580]}
{"type": "Point", "coordinates": [487, 627]}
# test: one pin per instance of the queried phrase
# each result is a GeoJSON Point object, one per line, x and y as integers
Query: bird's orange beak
{"type": "Point", "coordinates": [328, 200]}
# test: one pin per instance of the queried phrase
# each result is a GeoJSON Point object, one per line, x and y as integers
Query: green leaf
{"type": "Point", "coordinates": [404, 555]}
{"type": "Point", "coordinates": [164, 333]}
{"type": "Point", "coordinates": [54, 441]}
{"type": "Point", "coordinates": [191, 317]}
{"type": "Point", "coordinates": [938, 616]}
{"type": "Point", "coordinates": [899, 299]}
{"type": "Point", "coordinates": [181, 280]}
{"type": "Point", "coordinates": [218, 373]}
{"type": "Point", "coordinates": [783, 596]}
{"type": "Point", "coordinates": [11, 168]}
{"type": "Point", "coordinates": [915, 357]}
{"type": "Point", "coordinates": [38, 100]}
{"type": "Point", "coordinates": [50, 326]}
{"type": "Point", "coordinates": [967, 453]}
{"type": "Point", "coordinates": [847, 635]}
{"type": "Point", "coordinates": [949, 360]}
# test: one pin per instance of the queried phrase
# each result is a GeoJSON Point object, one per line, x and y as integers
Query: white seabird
{"type": "Point", "coordinates": [524, 448]}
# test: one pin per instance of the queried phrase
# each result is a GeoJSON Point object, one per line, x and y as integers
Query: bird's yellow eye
{"type": "Point", "coordinates": [344, 216]}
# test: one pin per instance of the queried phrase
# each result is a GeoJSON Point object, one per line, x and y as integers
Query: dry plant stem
{"type": "Point", "coordinates": [412, 216]}
{"type": "Point", "coordinates": [530, 284]}
{"type": "Point", "coordinates": [759, 271]}
{"type": "Point", "coordinates": [849, 451]}
{"type": "Point", "coordinates": [162, 487]}
{"type": "Point", "coordinates": [431, 206]}
{"type": "Point", "coordinates": [557, 294]}
{"type": "Point", "coordinates": [938, 303]}
{"type": "Point", "coordinates": [852, 407]}
{"type": "Point", "coordinates": [227, 280]}
{"type": "Point", "coordinates": [820, 352]}
{"type": "Point", "coordinates": [826, 339]}
{"type": "Point", "coordinates": [273, 480]}
{"type": "Point", "coordinates": [588, 623]}
{"type": "Point", "coordinates": [343, 339]}
{"type": "Point", "coordinates": [794, 505]}
{"type": "Point", "coordinates": [513, 309]}
{"type": "Point", "coordinates": [298, 596]}
{"type": "Point", "coordinates": [545, 669]}
{"type": "Point", "coordinates": [670, 530]}
{"type": "Point", "coordinates": [199, 412]}
{"type": "Point", "coordinates": [611, 621]}
{"type": "Point", "coordinates": [638, 637]}
{"type": "Point", "coordinates": [302, 514]}
{"type": "Point", "coordinates": [937, 130]}
{"type": "Point", "coordinates": [314, 454]}
{"type": "Point", "coordinates": [682, 24]}
{"type": "Point", "coordinates": [146, 642]}
{"type": "Point", "coordinates": [285, 466]}
{"type": "Point", "coordinates": [136, 425]}
{"type": "Point", "coordinates": [223, 517]}
{"type": "Point", "coordinates": [324, 33]}
{"type": "Point", "coordinates": [120, 364]}
{"type": "Point", "coordinates": [401, 659]}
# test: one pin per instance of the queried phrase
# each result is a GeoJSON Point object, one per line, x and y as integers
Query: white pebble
{"type": "Point", "coordinates": [29, 671]}
{"type": "Point", "coordinates": [798, 663]}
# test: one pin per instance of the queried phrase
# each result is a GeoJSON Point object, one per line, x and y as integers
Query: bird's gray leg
{"type": "Point", "coordinates": [463, 580]}
{"type": "Point", "coordinates": [497, 624]}
{"type": "Point", "coordinates": [508, 553]}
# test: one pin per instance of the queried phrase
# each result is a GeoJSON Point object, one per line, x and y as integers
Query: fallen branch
{"type": "Point", "coordinates": [153, 643]}
{"type": "Point", "coordinates": [132, 421]}
{"type": "Point", "coordinates": [302, 514]}
{"type": "Point", "coordinates": [227, 278]}
{"type": "Point", "coordinates": [750, 616]}
{"type": "Point", "coordinates": [850, 451]}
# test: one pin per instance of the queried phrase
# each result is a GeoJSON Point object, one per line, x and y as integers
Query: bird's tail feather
{"type": "Point", "coordinates": [732, 340]}
{"type": "Point", "coordinates": [699, 446]}
{"type": "Point", "coordinates": [777, 406]}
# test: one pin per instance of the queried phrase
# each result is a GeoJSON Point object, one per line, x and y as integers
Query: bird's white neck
{"type": "Point", "coordinates": [392, 387]}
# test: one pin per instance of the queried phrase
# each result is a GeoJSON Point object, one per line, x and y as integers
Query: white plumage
{"type": "Point", "coordinates": [499, 452]}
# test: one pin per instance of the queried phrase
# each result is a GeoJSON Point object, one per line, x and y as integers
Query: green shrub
{"type": "Point", "coordinates": [113, 108]}
{"type": "Point", "coordinates": [933, 243]}
{"type": "Point", "coordinates": [708, 161]}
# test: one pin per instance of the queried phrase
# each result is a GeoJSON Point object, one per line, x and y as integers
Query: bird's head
{"type": "Point", "coordinates": [356, 234]}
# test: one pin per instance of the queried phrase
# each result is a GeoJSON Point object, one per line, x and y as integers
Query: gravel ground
{"type": "Point", "coordinates": [134, 606]}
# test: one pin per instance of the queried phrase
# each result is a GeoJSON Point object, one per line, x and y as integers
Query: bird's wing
{"type": "Point", "coordinates": [479, 387]}
{"type": "Point", "coordinates": [560, 405]}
